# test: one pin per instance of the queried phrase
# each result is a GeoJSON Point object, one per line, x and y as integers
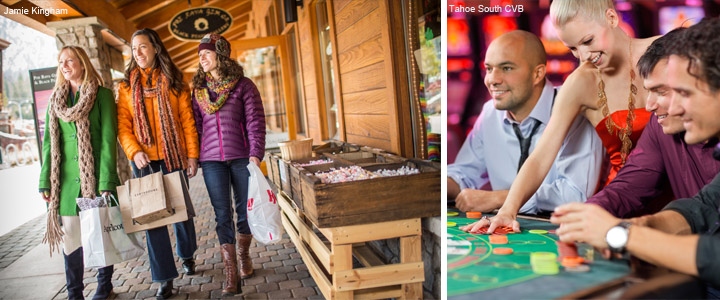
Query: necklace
{"type": "Point", "coordinates": [622, 132]}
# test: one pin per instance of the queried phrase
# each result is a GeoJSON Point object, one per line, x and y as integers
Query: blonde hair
{"type": "Point", "coordinates": [89, 71]}
{"type": "Point", "coordinates": [562, 11]}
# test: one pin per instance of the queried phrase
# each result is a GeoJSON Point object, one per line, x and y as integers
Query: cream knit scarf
{"type": "Point", "coordinates": [79, 114]}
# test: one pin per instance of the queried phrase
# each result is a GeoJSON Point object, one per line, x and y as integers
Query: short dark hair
{"type": "Point", "coordinates": [658, 50]}
{"type": "Point", "coordinates": [700, 44]}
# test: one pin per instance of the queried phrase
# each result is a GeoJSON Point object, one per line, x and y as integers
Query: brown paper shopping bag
{"type": "Point", "coordinates": [175, 191]}
{"type": "Point", "coordinates": [147, 196]}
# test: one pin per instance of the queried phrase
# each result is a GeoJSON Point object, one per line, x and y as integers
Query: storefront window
{"type": "Point", "coordinates": [262, 66]}
{"type": "Point", "coordinates": [323, 27]}
{"type": "Point", "coordinates": [422, 26]}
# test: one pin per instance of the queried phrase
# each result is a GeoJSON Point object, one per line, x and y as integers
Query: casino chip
{"type": "Point", "coordinates": [544, 263]}
{"type": "Point", "coordinates": [498, 239]}
{"type": "Point", "coordinates": [452, 214]}
{"type": "Point", "coordinates": [502, 251]}
{"type": "Point", "coordinates": [474, 215]}
{"type": "Point", "coordinates": [538, 231]}
{"type": "Point", "coordinates": [451, 224]}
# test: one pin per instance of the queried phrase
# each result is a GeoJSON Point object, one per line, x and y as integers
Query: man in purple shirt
{"type": "Point", "coordinates": [661, 154]}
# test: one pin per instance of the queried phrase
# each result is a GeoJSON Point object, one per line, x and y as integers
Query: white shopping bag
{"type": "Point", "coordinates": [104, 240]}
{"type": "Point", "coordinates": [263, 211]}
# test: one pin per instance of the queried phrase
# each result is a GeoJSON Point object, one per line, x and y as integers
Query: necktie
{"type": "Point", "coordinates": [524, 142]}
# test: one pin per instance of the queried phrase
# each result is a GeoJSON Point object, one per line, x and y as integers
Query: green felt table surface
{"type": "Point", "coordinates": [474, 272]}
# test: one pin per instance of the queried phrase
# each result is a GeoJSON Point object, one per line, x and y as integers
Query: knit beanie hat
{"type": "Point", "coordinates": [215, 42]}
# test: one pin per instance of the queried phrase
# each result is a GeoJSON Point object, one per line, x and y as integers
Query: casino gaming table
{"type": "Point", "coordinates": [474, 272]}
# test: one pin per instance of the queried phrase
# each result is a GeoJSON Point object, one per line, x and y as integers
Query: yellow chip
{"type": "Point", "coordinates": [452, 214]}
{"type": "Point", "coordinates": [451, 224]}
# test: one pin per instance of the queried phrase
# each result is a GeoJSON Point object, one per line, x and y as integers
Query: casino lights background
{"type": "Point", "coordinates": [468, 35]}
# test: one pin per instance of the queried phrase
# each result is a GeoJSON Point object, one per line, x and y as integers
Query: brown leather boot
{"type": "Point", "coordinates": [232, 285]}
{"type": "Point", "coordinates": [243, 244]}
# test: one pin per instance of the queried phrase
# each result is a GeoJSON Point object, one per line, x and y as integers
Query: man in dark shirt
{"type": "Point", "coordinates": [661, 154]}
{"type": "Point", "coordinates": [684, 236]}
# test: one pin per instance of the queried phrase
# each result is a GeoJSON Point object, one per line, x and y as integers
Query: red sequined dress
{"type": "Point", "coordinates": [613, 143]}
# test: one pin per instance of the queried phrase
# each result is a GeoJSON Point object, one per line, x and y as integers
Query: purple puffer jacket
{"type": "Point", "coordinates": [237, 129]}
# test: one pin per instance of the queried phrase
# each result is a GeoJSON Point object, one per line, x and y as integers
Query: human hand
{"type": "Point", "coordinates": [106, 194]}
{"type": "Point", "coordinates": [580, 222]}
{"type": "Point", "coordinates": [255, 160]}
{"type": "Point", "coordinates": [45, 196]}
{"type": "Point", "coordinates": [192, 167]}
{"type": "Point", "coordinates": [499, 220]}
{"type": "Point", "coordinates": [141, 159]}
{"type": "Point", "coordinates": [479, 200]}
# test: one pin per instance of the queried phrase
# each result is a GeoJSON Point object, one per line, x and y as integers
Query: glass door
{"type": "Point", "coordinates": [266, 62]}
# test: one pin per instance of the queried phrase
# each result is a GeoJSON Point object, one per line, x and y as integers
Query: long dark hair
{"type": "Point", "coordinates": [227, 67]}
{"type": "Point", "coordinates": [167, 66]}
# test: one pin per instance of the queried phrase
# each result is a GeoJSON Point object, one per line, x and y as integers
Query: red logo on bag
{"type": "Point", "coordinates": [273, 199]}
{"type": "Point", "coordinates": [250, 204]}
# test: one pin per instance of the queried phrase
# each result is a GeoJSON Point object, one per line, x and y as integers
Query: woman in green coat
{"type": "Point", "coordinates": [79, 160]}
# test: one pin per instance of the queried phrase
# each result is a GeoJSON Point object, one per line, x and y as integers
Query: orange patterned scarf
{"type": "Point", "coordinates": [172, 147]}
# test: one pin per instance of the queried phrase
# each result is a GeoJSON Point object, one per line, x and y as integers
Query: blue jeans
{"type": "Point", "coordinates": [162, 263]}
{"type": "Point", "coordinates": [219, 175]}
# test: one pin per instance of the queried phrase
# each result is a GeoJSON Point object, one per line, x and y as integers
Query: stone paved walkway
{"type": "Point", "coordinates": [279, 270]}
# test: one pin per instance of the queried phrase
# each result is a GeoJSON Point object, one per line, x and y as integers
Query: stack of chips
{"type": "Point", "coordinates": [544, 263]}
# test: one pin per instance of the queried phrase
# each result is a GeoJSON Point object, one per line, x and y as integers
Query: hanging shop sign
{"type": "Point", "coordinates": [194, 23]}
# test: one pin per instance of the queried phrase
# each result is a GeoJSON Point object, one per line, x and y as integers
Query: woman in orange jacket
{"type": "Point", "coordinates": [157, 130]}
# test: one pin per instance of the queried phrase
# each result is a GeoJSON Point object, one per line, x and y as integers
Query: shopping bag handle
{"type": "Point", "coordinates": [111, 198]}
{"type": "Point", "coordinates": [142, 173]}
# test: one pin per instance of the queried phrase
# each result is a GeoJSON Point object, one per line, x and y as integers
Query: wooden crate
{"type": "Point", "coordinates": [336, 147]}
{"type": "Point", "coordinates": [373, 200]}
{"type": "Point", "coordinates": [274, 158]}
{"type": "Point", "coordinates": [296, 169]}
{"type": "Point", "coordinates": [270, 170]}
{"type": "Point", "coordinates": [364, 158]}
{"type": "Point", "coordinates": [330, 259]}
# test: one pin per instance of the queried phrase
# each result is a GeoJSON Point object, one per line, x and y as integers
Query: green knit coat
{"type": "Point", "coordinates": [103, 137]}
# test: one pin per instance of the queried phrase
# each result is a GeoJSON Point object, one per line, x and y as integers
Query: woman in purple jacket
{"type": "Point", "coordinates": [231, 124]}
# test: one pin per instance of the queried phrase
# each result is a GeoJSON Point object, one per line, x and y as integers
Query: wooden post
{"type": "Point", "coordinates": [411, 251]}
{"type": "Point", "coordinates": [342, 262]}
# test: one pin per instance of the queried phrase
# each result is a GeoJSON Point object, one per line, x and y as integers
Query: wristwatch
{"type": "Point", "coordinates": [617, 237]}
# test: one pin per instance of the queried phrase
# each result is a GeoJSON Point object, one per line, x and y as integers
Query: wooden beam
{"type": "Point", "coordinates": [366, 256]}
{"type": "Point", "coordinates": [362, 278]}
{"type": "Point", "coordinates": [343, 264]}
{"type": "Point", "coordinates": [372, 232]}
{"type": "Point", "coordinates": [137, 10]}
{"type": "Point", "coordinates": [411, 252]}
{"type": "Point", "coordinates": [385, 292]}
{"type": "Point", "coordinates": [162, 17]}
{"type": "Point", "coordinates": [109, 15]}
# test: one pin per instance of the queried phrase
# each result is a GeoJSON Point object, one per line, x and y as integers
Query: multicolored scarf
{"type": "Point", "coordinates": [221, 87]}
{"type": "Point", "coordinates": [172, 147]}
